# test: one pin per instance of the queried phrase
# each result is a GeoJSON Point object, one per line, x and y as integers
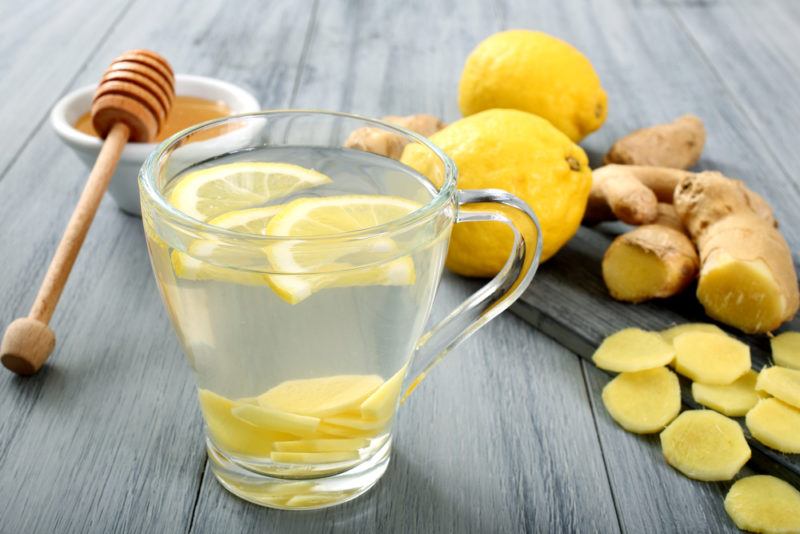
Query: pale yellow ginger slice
{"type": "Point", "coordinates": [670, 334]}
{"type": "Point", "coordinates": [316, 500]}
{"type": "Point", "coordinates": [709, 358]}
{"type": "Point", "coordinates": [327, 429]}
{"type": "Point", "coordinates": [321, 397]}
{"type": "Point", "coordinates": [645, 401]}
{"type": "Point", "coordinates": [357, 423]}
{"type": "Point", "coordinates": [782, 383]}
{"type": "Point", "coordinates": [786, 350]}
{"type": "Point", "coordinates": [705, 445]}
{"type": "Point", "coordinates": [321, 445]}
{"type": "Point", "coordinates": [276, 420]}
{"type": "Point", "coordinates": [383, 402]}
{"type": "Point", "coordinates": [233, 434]}
{"type": "Point", "coordinates": [313, 457]}
{"type": "Point", "coordinates": [733, 400]}
{"type": "Point", "coordinates": [632, 349]}
{"type": "Point", "coordinates": [763, 503]}
{"type": "Point", "coordinates": [776, 425]}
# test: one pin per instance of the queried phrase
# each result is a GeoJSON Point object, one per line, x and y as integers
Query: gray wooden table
{"type": "Point", "coordinates": [508, 434]}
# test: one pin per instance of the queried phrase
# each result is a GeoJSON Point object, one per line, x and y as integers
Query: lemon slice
{"type": "Point", "coordinates": [189, 267]}
{"type": "Point", "coordinates": [336, 264]}
{"type": "Point", "coordinates": [209, 192]}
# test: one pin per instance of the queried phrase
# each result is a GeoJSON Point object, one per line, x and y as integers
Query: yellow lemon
{"type": "Point", "coordinates": [535, 72]}
{"type": "Point", "coordinates": [522, 154]}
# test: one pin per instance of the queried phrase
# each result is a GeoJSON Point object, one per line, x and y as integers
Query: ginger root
{"type": "Point", "coordinates": [386, 143]}
{"type": "Point", "coordinates": [677, 145]}
{"type": "Point", "coordinates": [630, 193]}
{"type": "Point", "coordinates": [747, 277]}
{"type": "Point", "coordinates": [653, 261]}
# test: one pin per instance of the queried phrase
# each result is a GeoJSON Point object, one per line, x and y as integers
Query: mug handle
{"type": "Point", "coordinates": [490, 300]}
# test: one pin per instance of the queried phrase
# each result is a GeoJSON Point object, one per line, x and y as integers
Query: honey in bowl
{"type": "Point", "coordinates": [186, 111]}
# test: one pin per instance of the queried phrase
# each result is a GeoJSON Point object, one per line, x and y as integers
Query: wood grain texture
{"type": "Point", "coordinates": [107, 437]}
{"type": "Point", "coordinates": [41, 46]}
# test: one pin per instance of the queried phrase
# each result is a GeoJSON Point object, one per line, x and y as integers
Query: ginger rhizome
{"type": "Point", "coordinates": [747, 277]}
{"type": "Point", "coordinates": [389, 144]}
{"type": "Point", "coordinates": [656, 260]}
{"type": "Point", "coordinates": [677, 145]}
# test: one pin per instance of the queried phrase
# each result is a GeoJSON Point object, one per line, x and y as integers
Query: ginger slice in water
{"type": "Point", "coordinates": [763, 503]}
{"type": "Point", "coordinates": [776, 425]}
{"type": "Point", "coordinates": [733, 400]}
{"type": "Point", "coordinates": [645, 401]}
{"type": "Point", "coordinates": [313, 457]}
{"type": "Point", "coordinates": [321, 397]}
{"type": "Point", "coordinates": [705, 445]}
{"type": "Point", "coordinates": [276, 420]}
{"type": "Point", "coordinates": [231, 433]}
{"type": "Point", "coordinates": [321, 445]}
{"type": "Point", "coordinates": [786, 350]}
{"type": "Point", "coordinates": [383, 402]}
{"type": "Point", "coordinates": [711, 358]}
{"type": "Point", "coordinates": [632, 349]}
{"type": "Point", "coordinates": [781, 383]}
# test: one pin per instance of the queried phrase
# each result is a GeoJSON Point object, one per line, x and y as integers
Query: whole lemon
{"type": "Point", "coordinates": [535, 72]}
{"type": "Point", "coordinates": [522, 154]}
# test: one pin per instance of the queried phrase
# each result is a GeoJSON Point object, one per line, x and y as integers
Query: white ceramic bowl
{"type": "Point", "coordinates": [123, 187]}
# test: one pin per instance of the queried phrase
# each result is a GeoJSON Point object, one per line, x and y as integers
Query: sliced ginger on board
{"type": "Point", "coordinates": [645, 401]}
{"type": "Point", "coordinates": [705, 445]}
{"type": "Point", "coordinates": [786, 350]}
{"type": "Point", "coordinates": [633, 349]}
{"type": "Point", "coordinates": [763, 503]}
{"type": "Point", "coordinates": [776, 425]}
{"type": "Point", "coordinates": [321, 397]}
{"type": "Point", "coordinates": [711, 358]}
{"type": "Point", "coordinates": [671, 333]}
{"type": "Point", "coordinates": [781, 383]}
{"type": "Point", "coordinates": [733, 400]}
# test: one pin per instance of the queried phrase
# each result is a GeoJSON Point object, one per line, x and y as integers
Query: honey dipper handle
{"type": "Point", "coordinates": [96, 185]}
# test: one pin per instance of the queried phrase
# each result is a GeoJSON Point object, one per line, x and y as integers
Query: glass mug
{"type": "Point", "coordinates": [302, 347]}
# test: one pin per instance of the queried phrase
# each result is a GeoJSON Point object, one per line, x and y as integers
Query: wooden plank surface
{"type": "Point", "coordinates": [646, 85]}
{"type": "Point", "coordinates": [478, 448]}
{"type": "Point", "coordinates": [41, 47]}
{"type": "Point", "coordinates": [107, 437]}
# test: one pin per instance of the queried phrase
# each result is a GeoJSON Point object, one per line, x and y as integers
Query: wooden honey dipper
{"type": "Point", "coordinates": [131, 103]}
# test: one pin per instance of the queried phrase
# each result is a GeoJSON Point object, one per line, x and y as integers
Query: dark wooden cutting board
{"type": "Point", "coordinates": [569, 302]}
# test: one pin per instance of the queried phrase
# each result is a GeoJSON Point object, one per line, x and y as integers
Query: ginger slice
{"type": "Point", "coordinates": [670, 334]}
{"type": "Point", "coordinates": [733, 400]}
{"type": "Point", "coordinates": [633, 349]}
{"type": "Point", "coordinates": [710, 358]}
{"type": "Point", "coordinates": [776, 425]}
{"type": "Point", "coordinates": [763, 503]}
{"type": "Point", "coordinates": [276, 420]}
{"type": "Point", "coordinates": [313, 457]}
{"type": "Point", "coordinates": [321, 397]}
{"type": "Point", "coordinates": [786, 350]}
{"type": "Point", "coordinates": [781, 383]}
{"type": "Point", "coordinates": [321, 445]}
{"type": "Point", "coordinates": [705, 445]}
{"type": "Point", "coordinates": [383, 401]}
{"type": "Point", "coordinates": [645, 401]}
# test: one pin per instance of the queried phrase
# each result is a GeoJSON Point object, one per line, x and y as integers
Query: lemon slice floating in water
{"type": "Point", "coordinates": [336, 264]}
{"type": "Point", "coordinates": [209, 192]}
{"type": "Point", "coordinates": [189, 267]}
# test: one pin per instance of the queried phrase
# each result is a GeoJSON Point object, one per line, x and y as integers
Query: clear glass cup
{"type": "Point", "coordinates": [302, 364]}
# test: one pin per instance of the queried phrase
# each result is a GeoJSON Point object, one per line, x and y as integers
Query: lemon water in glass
{"type": "Point", "coordinates": [299, 276]}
